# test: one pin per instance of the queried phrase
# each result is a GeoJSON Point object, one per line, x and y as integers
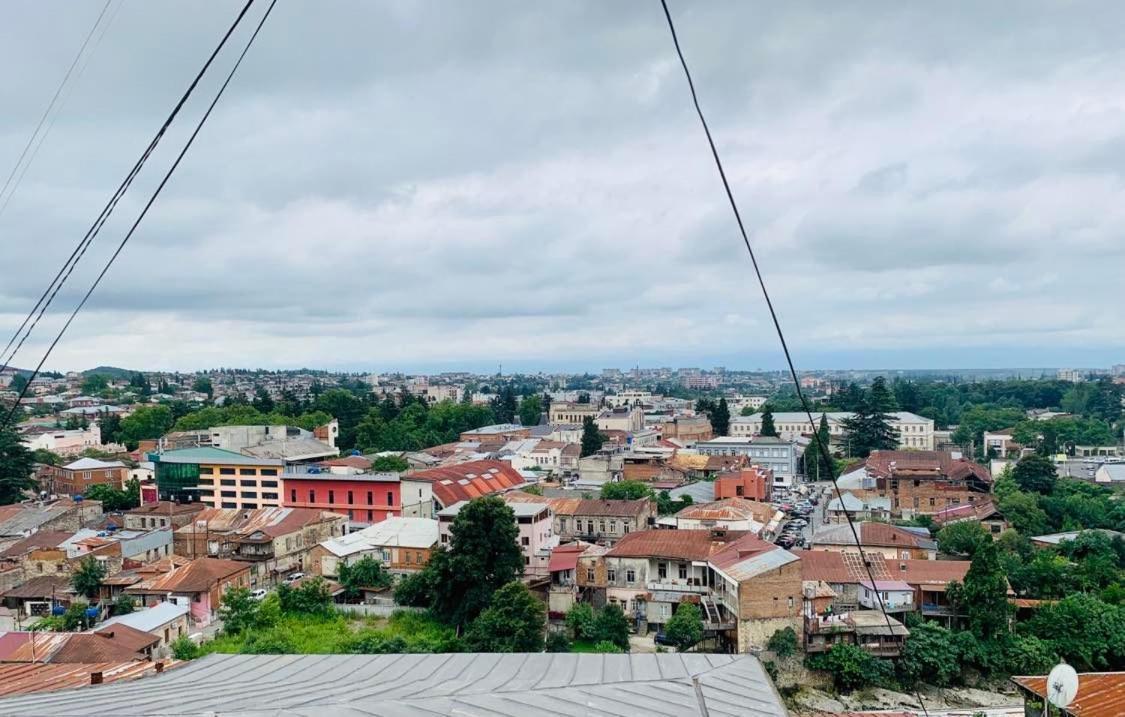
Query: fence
{"type": "Point", "coordinates": [375, 610]}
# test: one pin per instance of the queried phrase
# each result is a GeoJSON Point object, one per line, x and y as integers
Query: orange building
{"type": "Point", "coordinates": [754, 483]}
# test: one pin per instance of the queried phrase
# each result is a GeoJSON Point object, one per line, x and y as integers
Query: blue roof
{"type": "Point", "coordinates": [213, 455]}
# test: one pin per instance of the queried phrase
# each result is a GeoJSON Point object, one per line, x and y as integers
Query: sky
{"type": "Point", "coordinates": [393, 185]}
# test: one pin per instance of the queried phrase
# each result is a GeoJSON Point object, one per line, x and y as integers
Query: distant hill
{"type": "Point", "coordinates": [111, 371]}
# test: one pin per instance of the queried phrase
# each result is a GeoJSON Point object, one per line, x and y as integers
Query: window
{"type": "Point", "coordinates": [312, 496]}
{"type": "Point", "coordinates": [630, 576]}
{"type": "Point", "coordinates": [269, 484]}
{"type": "Point", "coordinates": [931, 501]}
{"type": "Point", "coordinates": [390, 498]}
{"type": "Point", "coordinates": [683, 571]}
{"type": "Point", "coordinates": [611, 575]}
{"type": "Point", "coordinates": [578, 525]}
{"type": "Point", "coordinates": [526, 560]}
{"type": "Point", "coordinates": [250, 494]}
{"type": "Point", "coordinates": [228, 493]}
{"type": "Point", "coordinates": [226, 471]}
{"type": "Point", "coordinates": [995, 529]}
{"type": "Point", "coordinates": [206, 470]}
{"type": "Point", "coordinates": [613, 526]}
{"type": "Point", "coordinates": [589, 575]}
{"type": "Point", "coordinates": [525, 541]}
{"type": "Point", "coordinates": [267, 496]}
{"type": "Point", "coordinates": [247, 472]}
{"type": "Point", "coordinates": [626, 528]}
{"type": "Point", "coordinates": [444, 538]}
{"type": "Point", "coordinates": [226, 481]}
{"type": "Point", "coordinates": [331, 496]}
{"type": "Point", "coordinates": [293, 495]}
{"type": "Point", "coordinates": [370, 499]}
{"type": "Point", "coordinates": [601, 526]}
{"type": "Point", "coordinates": [268, 471]}
{"type": "Point", "coordinates": [251, 483]}
{"type": "Point", "coordinates": [662, 570]}
{"type": "Point", "coordinates": [249, 506]}
{"type": "Point", "coordinates": [562, 525]}
{"type": "Point", "coordinates": [230, 505]}
{"type": "Point", "coordinates": [350, 499]}
{"type": "Point", "coordinates": [369, 517]}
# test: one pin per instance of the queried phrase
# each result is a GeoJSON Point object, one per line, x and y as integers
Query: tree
{"type": "Point", "coordinates": [608, 647]}
{"type": "Point", "coordinates": [962, 538]}
{"type": "Point", "coordinates": [87, 577]}
{"type": "Point", "coordinates": [720, 418]}
{"type": "Point", "coordinates": [202, 384]}
{"type": "Point", "coordinates": [685, 628]}
{"type": "Point", "coordinates": [1023, 512]}
{"type": "Point", "coordinates": [184, 648]}
{"type": "Point", "coordinates": [768, 429]}
{"type": "Point", "coordinates": [984, 595]}
{"type": "Point", "coordinates": [109, 424]}
{"type": "Point", "coordinates": [869, 427]}
{"type": "Point", "coordinates": [592, 438]}
{"type": "Point", "coordinates": [19, 383]}
{"type": "Point", "coordinates": [124, 605]}
{"type": "Point", "coordinates": [95, 383]}
{"type": "Point", "coordinates": [342, 405]}
{"type": "Point", "coordinates": [612, 626]}
{"type": "Point", "coordinates": [514, 621]}
{"type": "Point", "coordinates": [1035, 474]}
{"type": "Point", "coordinates": [262, 400]}
{"type": "Point", "coordinates": [504, 405]}
{"type": "Point", "coordinates": [1086, 632]}
{"type": "Point", "coordinates": [851, 666]}
{"type": "Point", "coordinates": [364, 573]}
{"type": "Point", "coordinates": [16, 465]}
{"type": "Point", "coordinates": [239, 611]}
{"type": "Point", "coordinates": [113, 499]}
{"type": "Point", "coordinates": [145, 423]}
{"type": "Point", "coordinates": [929, 655]}
{"type": "Point", "coordinates": [817, 467]}
{"type": "Point", "coordinates": [582, 621]}
{"type": "Point", "coordinates": [625, 490]}
{"type": "Point", "coordinates": [531, 407]}
{"type": "Point", "coordinates": [390, 464]}
{"type": "Point", "coordinates": [556, 642]}
{"type": "Point", "coordinates": [783, 642]}
{"type": "Point", "coordinates": [311, 597]}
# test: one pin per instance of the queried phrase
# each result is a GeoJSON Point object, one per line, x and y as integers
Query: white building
{"type": "Point", "coordinates": [622, 418]}
{"type": "Point", "coordinates": [913, 431]}
{"type": "Point", "coordinates": [1072, 375]}
{"type": "Point", "coordinates": [631, 398]}
{"type": "Point", "coordinates": [66, 443]}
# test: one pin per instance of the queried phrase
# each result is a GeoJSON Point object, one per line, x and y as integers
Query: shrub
{"type": "Point", "coordinates": [557, 642]}
{"type": "Point", "coordinates": [611, 626]}
{"type": "Point", "coordinates": [851, 667]}
{"type": "Point", "coordinates": [783, 642]}
{"type": "Point", "coordinates": [581, 621]}
{"type": "Point", "coordinates": [607, 646]}
{"type": "Point", "coordinates": [183, 648]}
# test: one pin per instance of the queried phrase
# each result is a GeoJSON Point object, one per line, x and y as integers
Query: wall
{"type": "Point", "coordinates": [768, 602]}
{"type": "Point", "coordinates": [369, 499]}
{"type": "Point", "coordinates": [246, 487]}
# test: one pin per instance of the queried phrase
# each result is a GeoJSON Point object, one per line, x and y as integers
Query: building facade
{"type": "Point", "coordinates": [914, 432]}
{"type": "Point", "coordinates": [366, 498]}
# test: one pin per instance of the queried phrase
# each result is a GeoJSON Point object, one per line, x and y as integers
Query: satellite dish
{"type": "Point", "coordinates": [1062, 685]}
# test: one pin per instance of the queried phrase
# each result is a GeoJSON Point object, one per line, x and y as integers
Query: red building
{"type": "Point", "coordinates": [753, 483]}
{"type": "Point", "coordinates": [365, 498]}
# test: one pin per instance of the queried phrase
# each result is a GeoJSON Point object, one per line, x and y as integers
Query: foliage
{"type": "Point", "coordinates": [503, 405]}
{"type": "Point", "coordinates": [666, 506]}
{"type": "Point", "coordinates": [977, 419]}
{"type": "Point", "coordinates": [869, 428]}
{"type": "Point", "coordinates": [1035, 474]}
{"type": "Point", "coordinates": [608, 646]}
{"type": "Point", "coordinates": [239, 611]}
{"type": "Point", "coordinates": [768, 428]}
{"type": "Point", "coordinates": [533, 490]}
{"type": "Point", "coordinates": [390, 464]}
{"type": "Point", "coordinates": [1086, 632]}
{"type": "Point", "coordinates": [87, 577]}
{"type": "Point", "coordinates": [851, 667]}
{"type": "Point", "coordinates": [311, 597]}
{"type": "Point", "coordinates": [962, 538]}
{"type": "Point", "coordinates": [984, 595]}
{"type": "Point", "coordinates": [124, 605]}
{"type": "Point", "coordinates": [513, 622]}
{"type": "Point", "coordinates": [15, 467]}
{"type": "Point", "coordinates": [531, 408]}
{"type": "Point", "coordinates": [184, 648]}
{"type": "Point", "coordinates": [405, 632]}
{"type": "Point", "coordinates": [95, 383]}
{"type": "Point", "coordinates": [929, 655]}
{"type": "Point", "coordinates": [720, 418]}
{"type": "Point", "coordinates": [412, 424]}
{"type": "Point", "coordinates": [685, 628]}
{"type": "Point", "coordinates": [109, 425]}
{"type": "Point", "coordinates": [1061, 434]}
{"type": "Point", "coordinates": [364, 573]}
{"type": "Point", "coordinates": [582, 621]}
{"type": "Point", "coordinates": [783, 642]}
{"type": "Point", "coordinates": [237, 414]}
{"type": "Point", "coordinates": [114, 499]}
{"type": "Point", "coordinates": [612, 626]}
{"type": "Point", "coordinates": [817, 467]}
{"type": "Point", "coordinates": [145, 423]}
{"type": "Point", "coordinates": [625, 490]}
{"type": "Point", "coordinates": [1022, 511]}
{"type": "Point", "coordinates": [592, 438]}
{"type": "Point", "coordinates": [556, 642]}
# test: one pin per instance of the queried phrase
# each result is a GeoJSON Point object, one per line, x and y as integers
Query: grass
{"type": "Point", "coordinates": [338, 633]}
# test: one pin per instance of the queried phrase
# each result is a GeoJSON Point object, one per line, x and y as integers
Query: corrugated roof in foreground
{"type": "Point", "coordinates": [25, 678]}
{"type": "Point", "coordinates": [484, 685]}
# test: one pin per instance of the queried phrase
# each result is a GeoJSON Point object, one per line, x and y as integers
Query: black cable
{"type": "Point", "coordinates": [50, 106]}
{"type": "Point", "coordinates": [144, 211]}
{"type": "Point", "coordinates": [67, 268]}
{"type": "Point", "coordinates": [821, 448]}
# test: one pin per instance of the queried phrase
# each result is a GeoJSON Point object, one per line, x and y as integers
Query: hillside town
{"type": "Point", "coordinates": [159, 517]}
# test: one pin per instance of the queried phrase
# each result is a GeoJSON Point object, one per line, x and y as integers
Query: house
{"type": "Point", "coordinates": [536, 535]}
{"type": "Point", "coordinates": [366, 498]}
{"type": "Point", "coordinates": [571, 412]}
{"type": "Point", "coordinates": [730, 513]}
{"type": "Point", "coordinates": [76, 477]}
{"type": "Point", "coordinates": [838, 509]}
{"type": "Point", "coordinates": [886, 595]}
{"type": "Point", "coordinates": [65, 648]}
{"type": "Point", "coordinates": [63, 442]}
{"type": "Point", "coordinates": [878, 633]}
{"type": "Point", "coordinates": [142, 643]}
{"type": "Point", "coordinates": [198, 585]}
{"type": "Point", "coordinates": [162, 514]}
{"type": "Point", "coordinates": [25, 678]}
{"type": "Point", "coordinates": [448, 485]}
{"type": "Point", "coordinates": [754, 483]}
{"type": "Point", "coordinates": [782, 456]}
{"type": "Point", "coordinates": [593, 520]}
{"type": "Point", "coordinates": [621, 418]}
{"type": "Point", "coordinates": [984, 512]}
{"type": "Point", "coordinates": [689, 429]}
{"type": "Point", "coordinates": [165, 621]}
{"type": "Point", "coordinates": [999, 444]}
{"type": "Point", "coordinates": [500, 432]}
{"type": "Point", "coordinates": [891, 541]}
{"type": "Point", "coordinates": [574, 570]}
{"type": "Point", "coordinates": [759, 585]}
{"type": "Point", "coordinates": [402, 545]}
{"type": "Point", "coordinates": [1100, 694]}
{"type": "Point", "coordinates": [922, 482]}
{"type": "Point", "coordinates": [64, 514]}
{"type": "Point", "coordinates": [35, 597]}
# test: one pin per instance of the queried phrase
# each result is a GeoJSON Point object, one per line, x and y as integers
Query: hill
{"type": "Point", "coordinates": [111, 371]}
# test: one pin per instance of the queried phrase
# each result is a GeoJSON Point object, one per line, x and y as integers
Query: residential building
{"type": "Point", "coordinates": [984, 512]}
{"type": "Point", "coordinates": [593, 520]}
{"type": "Point", "coordinates": [739, 514]}
{"type": "Point", "coordinates": [780, 455]}
{"type": "Point", "coordinates": [878, 633]}
{"type": "Point", "coordinates": [576, 570]}
{"type": "Point", "coordinates": [1056, 539]}
{"type": "Point", "coordinates": [23, 519]}
{"type": "Point", "coordinates": [630, 398]}
{"type": "Point", "coordinates": [891, 541]}
{"type": "Point", "coordinates": [448, 485]}
{"type": "Point", "coordinates": [921, 482]}
{"type": "Point", "coordinates": [1071, 375]}
{"type": "Point", "coordinates": [999, 443]}
{"type": "Point", "coordinates": [162, 514]}
{"type": "Point", "coordinates": [536, 536]}
{"type": "Point", "coordinates": [888, 595]}
{"type": "Point", "coordinates": [1099, 695]}
{"type": "Point", "coordinates": [914, 432]}
{"type": "Point", "coordinates": [199, 585]}
{"type": "Point", "coordinates": [754, 483]}
{"type": "Point", "coordinates": [76, 477]}
{"type": "Point", "coordinates": [366, 498]}
{"type": "Point", "coordinates": [64, 442]}
{"type": "Point", "coordinates": [402, 545]}
{"type": "Point", "coordinates": [218, 478]}
{"type": "Point", "coordinates": [621, 418]}
{"type": "Point", "coordinates": [165, 621]}
{"type": "Point", "coordinates": [499, 432]}
{"type": "Point", "coordinates": [572, 412]}
{"type": "Point", "coordinates": [867, 508]}
{"type": "Point", "coordinates": [688, 429]}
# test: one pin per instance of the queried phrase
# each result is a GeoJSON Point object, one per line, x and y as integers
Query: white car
{"type": "Point", "coordinates": [294, 577]}
{"type": "Point", "coordinates": [259, 594]}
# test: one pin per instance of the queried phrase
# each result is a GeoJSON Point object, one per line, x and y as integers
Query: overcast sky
{"type": "Point", "coordinates": [439, 185]}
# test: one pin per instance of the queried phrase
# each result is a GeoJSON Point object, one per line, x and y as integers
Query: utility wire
{"type": "Point", "coordinates": [50, 106]}
{"type": "Point", "coordinates": [61, 104]}
{"type": "Point", "coordinates": [144, 211]}
{"type": "Point", "coordinates": [821, 448]}
{"type": "Point", "coordinates": [67, 268]}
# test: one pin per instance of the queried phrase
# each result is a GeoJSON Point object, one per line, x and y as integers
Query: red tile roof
{"type": "Point", "coordinates": [128, 637]}
{"type": "Point", "coordinates": [35, 541]}
{"type": "Point", "coordinates": [969, 511]}
{"type": "Point", "coordinates": [465, 481]}
{"type": "Point", "coordinates": [674, 544]}
{"type": "Point", "coordinates": [90, 647]}
{"type": "Point", "coordinates": [1100, 694]}
{"type": "Point", "coordinates": [349, 462]}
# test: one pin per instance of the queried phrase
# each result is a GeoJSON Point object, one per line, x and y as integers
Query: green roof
{"type": "Point", "coordinates": [214, 455]}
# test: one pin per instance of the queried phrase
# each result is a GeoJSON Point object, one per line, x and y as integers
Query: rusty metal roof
{"type": "Point", "coordinates": [1100, 694]}
{"type": "Point", "coordinates": [25, 678]}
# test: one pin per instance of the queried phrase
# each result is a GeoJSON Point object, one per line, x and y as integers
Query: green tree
{"type": "Point", "coordinates": [46, 457]}
{"type": "Point", "coordinates": [625, 490]}
{"type": "Point", "coordinates": [817, 467]}
{"type": "Point", "coordinates": [1022, 511]}
{"type": "Point", "coordinates": [146, 422]}
{"type": "Point", "coordinates": [184, 648]}
{"type": "Point", "coordinates": [685, 628]}
{"type": "Point", "coordinates": [124, 605]}
{"type": "Point", "coordinates": [612, 626]}
{"type": "Point", "coordinates": [1086, 632]}
{"type": "Point", "coordinates": [262, 400]}
{"type": "Point", "coordinates": [113, 499]}
{"type": "Point", "coordinates": [87, 577]}
{"type": "Point", "coordinates": [19, 383]}
{"type": "Point", "coordinates": [504, 405]}
{"type": "Point", "coordinates": [592, 438]}
{"type": "Point", "coordinates": [851, 667]}
{"type": "Point", "coordinates": [202, 384]}
{"type": "Point", "coordinates": [95, 383]}
{"type": "Point", "coordinates": [345, 407]}
{"type": "Point", "coordinates": [582, 621]}
{"type": "Point", "coordinates": [531, 407]}
{"type": "Point", "coordinates": [311, 597]}
{"type": "Point", "coordinates": [720, 418]}
{"type": "Point", "coordinates": [962, 538]}
{"type": "Point", "coordinates": [16, 465]}
{"type": "Point", "coordinates": [608, 647]}
{"type": "Point", "coordinates": [109, 424]}
{"type": "Point", "coordinates": [869, 427]}
{"type": "Point", "coordinates": [514, 621]}
{"type": "Point", "coordinates": [364, 573]}
{"type": "Point", "coordinates": [1035, 474]}
{"type": "Point", "coordinates": [390, 464]}
{"type": "Point", "coordinates": [556, 642]}
{"type": "Point", "coordinates": [239, 611]}
{"type": "Point", "coordinates": [984, 595]}
{"type": "Point", "coordinates": [783, 642]}
{"type": "Point", "coordinates": [929, 655]}
{"type": "Point", "coordinates": [768, 429]}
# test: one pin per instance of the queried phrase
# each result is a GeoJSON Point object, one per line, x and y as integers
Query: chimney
{"type": "Point", "coordinates": [159, 667]}
{"type": "Point", "coordinates": [95, 678]}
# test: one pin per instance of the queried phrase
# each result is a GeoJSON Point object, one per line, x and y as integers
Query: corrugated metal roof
{"type": "Point", "coordinates": [1100, 694]}
{"type": "Point", "coordinates": [484, 685]}
{"type": "Point", "coordinates": [25, 678]}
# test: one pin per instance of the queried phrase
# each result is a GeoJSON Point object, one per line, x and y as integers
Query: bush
{"type": "Point", "coordinates": [557, 642]}
{"type": "Point", "coordinates": [310, 598]}
{"type": "Point", "coordinates": [929, 655]}
{"type": "Point", "coordinates": [184, 648]}
{"type": "Point", "coordinates": [685, 628]}
{"type": "Point", "coordinates": [783, 643]}
{"type": "Point", "coordinates": [607, 646]}
{"type": "Point", "coordinates": [851, 667]}
{"type": "Point", "coordinates": [270, 642]}
{"type": "Point", "coordinates": [611, 626]}
{"type": "Point", "coordinates": [581, 621]}
{"type": "Point", "coordinates": [123, 605]}
{"type": "Point", "coordinates": [513, 622]}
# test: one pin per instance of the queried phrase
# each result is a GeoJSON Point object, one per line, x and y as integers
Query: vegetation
{"type": "Point", "coordinates": [311, 597]}
{"type": "Point", "coordinates": [531, 408]}
{"type": "Point", "coordinates": [124, 605]}
{"type": "Point", "coordinates": [768, 428]}
{"type": "Point", "coordinates": [74, 619]}
{"type": "Point", "coordinates": [685, 628]}
{"type": "Point", "coordinates": [412, 424]}
{"type": "Point", "coordinates": [591, 628]}
{"type": "Point", "coordinates": [87, 577]}
{"type": "Point", "coordinates": [113, 499]}
{"type": "Point", "coordinates": [1035, 474]}
{"type": "Point", "coordinates": [184, 648]}
{"type": "Point", "coordinates": [869, 428]}
{"type": "Point", "coordinates": [783, 642]}
{"type": "Point", "coordinates": [851, 667]}
{"type": "Point", "coordinates": [625, 490]}
{"type": "Point", "coordinates": [364, 573]}
{"type": "Point", "coordinates": [513, 622]}
{"type": "Point", "coordinates": [16, 464]}
{"type": "Point", "coordinates": [962, 538]}
{"type": "Point", "coordinates": [592, 438]}
{"type": "Point", "coordinates": [390, 464]}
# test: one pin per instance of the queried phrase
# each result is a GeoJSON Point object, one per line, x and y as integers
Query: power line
{"type": "Point", "coordinates": [50, 106]}
{"type": "Point", "coordinates": [79, 251]}
{"type": "Point", "coordinates": [821, 448]}
{"type": "Point", "coordinates": [144, 211]}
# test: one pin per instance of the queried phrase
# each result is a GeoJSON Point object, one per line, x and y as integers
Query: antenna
{"type": "Point", "coordinates": [1061, 687]}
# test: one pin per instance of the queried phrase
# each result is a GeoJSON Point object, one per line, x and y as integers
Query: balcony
{"type": "Point", "coordinates": [929, 608]}
{"type": "Point", "coordinates": [677, 586]}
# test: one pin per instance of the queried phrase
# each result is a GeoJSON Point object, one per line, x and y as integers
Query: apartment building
{"type": "Point", "coordinates": [536, 532]}
{"type": "Point", "coordinates": [591, 520]}
{"type": "Point", "coordinates": [402, 545]}
{"type": "Point", "coordinates": [218, 478]}
{"type": "Point", "coordinates": [621, 418]}
{"type": "Point", "coordinates": [780, 455]}
{"type": "Point", "coordinates": [920, 482]}
{"type": "Point", "coordinates": [914, 432]}
{"type": "Point", "coordinates": [572, 412]}
{"type": "Point", "coordinates": [76, 477]}
{"type": "Point", "coordinates": [366, 498]}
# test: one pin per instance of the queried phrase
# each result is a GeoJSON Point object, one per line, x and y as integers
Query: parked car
{"type": "Point", "coordinates": [259, 594]}
{"type": "Point", "coordinates": [662, 639]}
{"type": "Point", "coordinates": [294, 577]}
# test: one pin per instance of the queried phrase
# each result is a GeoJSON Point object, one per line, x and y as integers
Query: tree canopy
{"type": "Point", "coordinates": [625, 490]}
{"type": "Point", "coordinates": [16, 465]}
{"type": "Point", "coordinates": [592, 438]}
{"type": "Point", "coordinates": [685, 628]}
{"type": "Point", "coordinates": [514, 621]}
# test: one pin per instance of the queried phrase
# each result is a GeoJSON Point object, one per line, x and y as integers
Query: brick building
{"type": "Point", "coordinates": [76, 477]}
{"type": "Point", "coordinates": [919, 482]}
{"type": "Point", "coordinates": [754, 483]}
{"type": "Point", "coordinates": [891, 541]}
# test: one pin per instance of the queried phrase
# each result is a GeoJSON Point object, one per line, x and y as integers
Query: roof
{"type": "Point", "coordinates": [484, 685]}
{"type": "Point", "coordinates": [217, 456]}
{"type": "Point", "coordinates": [1056, 538]}
{"type": "Point", "coordinates": [292, 449]}
{"type": "Point", "coordinates": [700, 491]}
{"type": "Point", "coordinates": [165, 507]}
{"type": "Point", "coordinates": [35, 541]}
{"type": "Point", "coordinates": [969, 511]}
{"type": "Point", "coordinates": [129, 637]}
{"type": "Point", "coordinates": [835, 567]}
{"type": "Point", "coordinates": [197, 576]}
{"type": "Point", "coordinates": [41, 586]}
{"type": "Point", "coordinates": [878, 535]}
{"type": "Point", "coordinates": [874, 622]}
{"type": "Point", "coordinates": [396, 532]}
{"type": "Point", "coordinates": [465, 481]}
{"type": "Point", "coordinates": [359, 462]}
{"type": "Point", "coordinates": [521, 510]}
{"type": "Point", "coordinates": [848, 502]}
{"type": "Point", "coordinates": [885, 585]}
{"type": "Point", "coordinates": [1100, 694]}
{"type": "Point", "coordinates": [273, 522]}
{"type": "Point", "coordinates": [729, 509]}
{"type": "Point", "coordinates": [25, 678]}
{"type": "Point", "coordinates": [89, 647]}
{"type": "Point", "coordinates": [922, 464]}
{"type": "Point", "coordinates": [749, 557]}
{"type": "Point", "coordinates": [148, 619]}
{"type": "Point", "coordinates": [25, 518]}
{"type": "Point", "coordinates": [674, 544]}
{"type": "Point", "coordinates": [595, 507]}
{"type": "Point", "coordinates": [89, 464]}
